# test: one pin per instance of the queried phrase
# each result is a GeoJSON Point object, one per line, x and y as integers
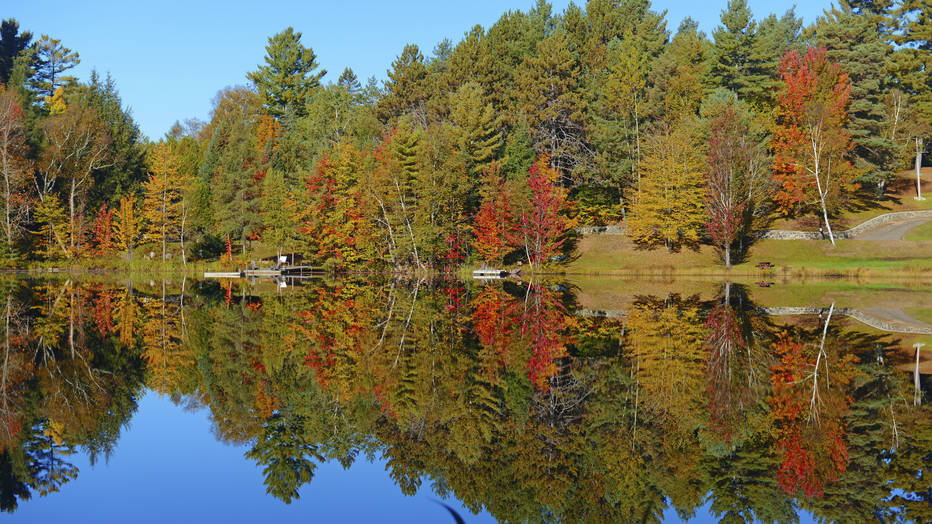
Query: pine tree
{"type": "Point", "coordinates": [277, 212]}
{"type": "Point", "coordinates": [856, 42]}
{"type": "Point", "coordinates": [913, 66]}
{"type": "Point", "coordinates": [406, 89]}
{"type": "Point", "coordinates": [289, 76]}
{"type": "Point", "coordinates": [51, 60]}
{"type": "Point", "coordinates": [479, 126]}
{"type": "Point", "coordinates": [733, 42]}
{"type": "Point", "coordinates": [550, 95]}
{"type": "Point", "coordinates": [127, 166]}
{"type": "Point", "coordinates": [349, 81]}
{"type": "Point", "coordinates": [618, 113]}
{"type": "Point", "coordinates": [680, 74]}
{"type": "Point", "coordinates": [774, 37]}
{"type": "Point", "coordinates": [12, 43]}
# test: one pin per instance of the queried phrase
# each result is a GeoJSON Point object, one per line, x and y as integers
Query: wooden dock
{"type": "Point", "coordinates": [489, 274]}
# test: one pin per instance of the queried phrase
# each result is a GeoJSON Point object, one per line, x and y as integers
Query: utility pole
{"type": "Point", "coordinates": [917, 391]}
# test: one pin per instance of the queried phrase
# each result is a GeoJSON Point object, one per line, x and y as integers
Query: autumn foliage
{"type": "Point", "coordinates": [811, 141]}
{"type": "Point", "coordinates": [542, 227]}
{"type": "Point", "coordinates": [105, 242]}
{"type": "Point", "coordinates": [494, 224]}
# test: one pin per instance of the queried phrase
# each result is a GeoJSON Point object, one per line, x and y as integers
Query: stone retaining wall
{"type": "Point", "coordinates": [778, 234]}
{"type": "Point", "coordinates": [782, 234]}
{"type": "Point", "coordinates": [601, 230]}
{"type": "Point", "coordinates": [857, 314]}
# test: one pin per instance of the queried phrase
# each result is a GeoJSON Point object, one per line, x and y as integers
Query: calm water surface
{"type": "Point", "coordinates": [611, 401]}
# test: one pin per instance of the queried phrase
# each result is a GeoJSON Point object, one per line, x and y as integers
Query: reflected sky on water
{"type": "Point", "coordinates": [360, 401]}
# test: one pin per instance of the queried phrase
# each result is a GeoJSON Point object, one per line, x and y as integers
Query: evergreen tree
{"type": "Point", "coordinates": [680, 73]}
{"type": "Point", "coordinates": [406, 89]}
{"type": "Point", "coordinates": [288, 77]}
{"type": "Point", "coordinates": [618, 113]}
{"type": "Point", "coordinates": [127, 168]}
{"type": "Point", "coordinates": [349, 81]}
{"type": "Point", "coordinates": [774, 37]}
{"type": "Point", "coordinates": [518, 152]}
{"type": "Point", "coordinates": [51, 60]}
{"type": "Point", "coordinates": [731, 50]}
{"type": "Point", "coordinates": [913, 66]}
{"type": "Point", "coordinates": [855, 41]}
{"type": "Point", "coordinates": [12, 43]}
{"type": "Point", "coordinates": [277, 212]}
{"type": "Point", "coordinates": [550, 95]}
{"type": "Point", "coordinates": [480, 135]}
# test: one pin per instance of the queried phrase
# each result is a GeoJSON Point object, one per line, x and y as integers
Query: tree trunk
{"type": "Point", "coordinates": [164, 223]}
{"type": "Point", "coordinates": [184, 258]}
{"type": "Point", "coordinates": [728, 256]}
{"type": "Point", "coordinates": [8, 229]}
{"type": "Point", "coordinates": [822, 193]}
{"type": "Point", "coordinates": [828, 226]}
{"type": "Point", "coordinates": [71, 216]}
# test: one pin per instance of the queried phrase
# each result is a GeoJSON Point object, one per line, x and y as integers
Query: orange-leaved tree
{"type": "Point", "coordinates": [810, 141]}
{"type": "Point", "coordinates": [102, 229]}
{"type": "Point", "coordinates": [494, 223]}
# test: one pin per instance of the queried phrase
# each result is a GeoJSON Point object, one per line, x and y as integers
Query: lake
{"type": "Point", "coordinates": [366, 399]}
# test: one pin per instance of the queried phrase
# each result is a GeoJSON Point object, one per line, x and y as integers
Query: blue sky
{"type": "Point", "coordinates": [170, 58]}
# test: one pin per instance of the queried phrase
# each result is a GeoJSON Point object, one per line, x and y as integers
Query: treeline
{"type": "Point", "coordinates": [500, 395]}
{"type": "Point", "coordinates": [492, 148]}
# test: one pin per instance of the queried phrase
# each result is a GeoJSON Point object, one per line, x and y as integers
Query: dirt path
{"type": "Point", "coordinates": [893, 230]}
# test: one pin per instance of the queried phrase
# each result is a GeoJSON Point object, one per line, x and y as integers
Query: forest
{"type": "Point", "coordinates": [505, 396]}
{"type": "Point", "coordinates": [487, 150]}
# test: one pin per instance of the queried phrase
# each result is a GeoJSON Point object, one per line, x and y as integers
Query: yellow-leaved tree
{"type": "Point", "coordinates": [126, 227]}
{"type": "Point", "coordinates": [669, 204]}
{"type": "Point", "coordinates": [52, 235]}
{"type": "Point", "coordinates": [163, 195]}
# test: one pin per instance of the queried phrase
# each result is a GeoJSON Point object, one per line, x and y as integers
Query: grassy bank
{"type": "Point", "coordinates": [864, 205]}
{"type": "Point", "coordinates": [616, 255]}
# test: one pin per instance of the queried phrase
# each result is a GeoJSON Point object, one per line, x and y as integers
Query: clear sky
{"type": "Point", "coordinates": [170, 58]}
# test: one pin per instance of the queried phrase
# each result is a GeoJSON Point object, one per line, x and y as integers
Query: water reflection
{"type": "Point", "coordinates": [507, 396]}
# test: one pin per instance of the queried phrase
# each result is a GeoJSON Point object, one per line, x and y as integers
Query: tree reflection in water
{"type": "Point", "coordinates": [502, 394]}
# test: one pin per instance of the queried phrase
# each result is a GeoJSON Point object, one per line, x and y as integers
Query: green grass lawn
{"type": "Point", "coordinates": [922, 314]}
{"type": "Point", "coordinates": [921, 233]}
